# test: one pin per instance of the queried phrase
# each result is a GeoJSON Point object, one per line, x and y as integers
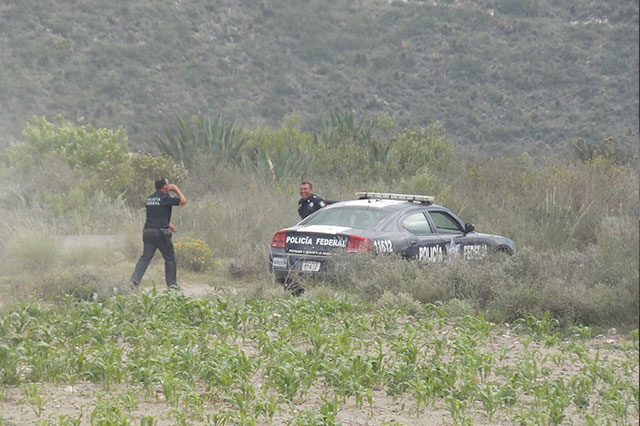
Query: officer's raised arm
{"type": "Point", "coordinates": [175, 189]}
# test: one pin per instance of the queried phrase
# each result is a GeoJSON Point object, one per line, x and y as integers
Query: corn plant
{"type": "Point", "coordinates": [107, 412]}
{"type": "Point", "coordinates": [34, 399]}
{"type": "Point", "coordinates": [457, 410]}
{"type": "Point", "coordinates": [67, 420]}
{"type": "Point", "coordinates": [218, 361]}
{"type": "Point", "coordinates": [539, 328]}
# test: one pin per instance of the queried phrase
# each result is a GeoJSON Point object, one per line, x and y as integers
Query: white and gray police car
{"type": "Point", "coordinates": [410, 226]}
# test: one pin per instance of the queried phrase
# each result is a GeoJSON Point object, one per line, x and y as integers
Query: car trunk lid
{"type": "Point", "coordinates": [317, 240]}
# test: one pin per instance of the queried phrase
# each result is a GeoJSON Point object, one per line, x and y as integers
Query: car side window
{"type": "Point", "coordinates": [417, 224]}
{"type": "Point", "coordinates": [445, 224]}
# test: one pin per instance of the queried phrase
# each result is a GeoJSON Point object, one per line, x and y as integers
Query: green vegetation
{"type": "Point", "coordinates": [224, 141]}
{"type": "Point", "coordinates": [506, 340]}
{"type": "Point", "coordinates": [194, 254]}
{"type": "Point", "coordinates": [59, 159]}
{"type": "Point", "coordinates": [573, 218]}
{"type": "Point", "coordinates": [500, 76]}
{"type": "Point", "coordinates": [157, 356]}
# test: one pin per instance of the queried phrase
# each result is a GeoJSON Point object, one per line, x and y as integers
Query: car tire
{"type": "Point", "coordinates": [291, 285]}
{"type": "Point", "coordinates": [504, 251]}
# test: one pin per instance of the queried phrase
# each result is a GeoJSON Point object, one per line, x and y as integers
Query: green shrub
{"type": "Point", "coordinates": [457, 308]}
{"type": "Point", "coordinates": [608, 149]}
{"type": "Point", "coordinates": [289, 135]}
{"type": "Point", "coordinates": [64, 166]}
{"type": "Point", "coordinates": [424, 182]}
{"type": "Point", "coordinates": [133, 178]}
{"type": "Point", "coordinates": [402, 301]}
{"type": "Point", "coordinates": [567, 284]}
{"type": "Point", "coordinates": [550, 204]}
{"type": "Point", "coordinates": [81, 147]}
{"type": "Point", "coordinates": [194, 254]}
{"type": "Point", "coordinates": [57, 161]}
{"type": "Point", "coordinates": [344, 127]}
{"type": "Point", "coordinates": [348, 147]}
{"type": "Point", "coordinates": [413, 149]}
{"type": "Point", "coordinates": [275, 154]}
{"type": "Point", "coordinates": [343, 158]}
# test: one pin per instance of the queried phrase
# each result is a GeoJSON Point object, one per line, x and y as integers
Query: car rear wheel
{"type": "Point", "coordinates": [290, 285]}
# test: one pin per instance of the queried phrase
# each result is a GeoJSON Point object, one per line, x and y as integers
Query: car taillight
{"type": "Point", "coordinates": [279, 239]}
{"type": "Point", "coordinates": [357, 244]}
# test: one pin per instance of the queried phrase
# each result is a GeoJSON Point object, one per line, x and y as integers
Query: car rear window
{"type": "Point", "coordinates": [350, 217]}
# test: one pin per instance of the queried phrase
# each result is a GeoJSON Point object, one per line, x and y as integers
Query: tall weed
{"type": "Point", "coordinates": [32, 250]}
{"type": "Point", "coordinates": [567, 284]}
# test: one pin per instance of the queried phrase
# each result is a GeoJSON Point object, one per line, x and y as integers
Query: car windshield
{"type": "Point", "coordinates": [350, 217]}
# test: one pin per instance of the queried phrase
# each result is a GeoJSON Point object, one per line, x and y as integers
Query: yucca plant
{"type": "Point", "coordinates": [202, 135]}
{"type": "Point", "coordinates": [378, 152]}
{"type": "Point", "coordinates": [344, 127]}
{"type": "Point", "coordinates": [286, 162]}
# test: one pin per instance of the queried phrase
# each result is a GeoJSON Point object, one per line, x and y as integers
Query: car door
{"type": "Point", "coordinates": [424, 242]}
{"type": "Point", "coordinates": [458, 242]}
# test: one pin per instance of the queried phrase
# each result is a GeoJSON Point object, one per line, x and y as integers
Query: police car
{"type": "Point", "coordinates": [410, 226]}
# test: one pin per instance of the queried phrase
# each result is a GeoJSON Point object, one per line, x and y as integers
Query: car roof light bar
{"type": "Point", "coordinates": [391, 196]}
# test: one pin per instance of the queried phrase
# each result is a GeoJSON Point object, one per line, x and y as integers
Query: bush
{"type": "Point", "coordinates": [402, 301]}
{"type": "Point", "coordinates": [608, 149]}
{"type": "Point", "coordinates": [133, 178]}
{"type": "Point", "coordinates": [341, 158]}
{"type": "Point", "coordinates": [82, 148]}
{"type": "Point", "coordinates": [555, 204]}
{"type": "Point", "coordinates": [194, 254]}
{"type": "Point", "coordinates": [413, 149]}
{"type": "Point", "coordinates": [423, 182]}
{"type": "Point", "coordinates": [348, 147]}
{"type": "Point", "coordinates": [276, 154]}
{"type": "Point", "coordinates": [58, 159]}
{"type": "Point", "coordinates": [567, 284]}
{"type": "Point", "coordinates": [64, 166]}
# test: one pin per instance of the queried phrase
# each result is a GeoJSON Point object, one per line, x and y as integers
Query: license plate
{"type": "Point", "coordinates": [279, 263]}
{"type": "Point", "coordinates": [311, 266]}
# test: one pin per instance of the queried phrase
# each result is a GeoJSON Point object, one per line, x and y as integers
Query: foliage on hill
{"type": "Point", "coordinates": [500, 76]}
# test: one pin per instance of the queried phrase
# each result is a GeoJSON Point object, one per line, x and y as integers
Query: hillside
{"type": "Point", "coordinates": [500, 76]}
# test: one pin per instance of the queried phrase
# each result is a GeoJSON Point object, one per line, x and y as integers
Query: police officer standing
{"type": "Point", "coordinates": [157, 232]}
{"type": "Point", "coordinates": [309, 202]}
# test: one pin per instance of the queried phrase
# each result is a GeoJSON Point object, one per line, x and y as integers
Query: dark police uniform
{"type": "Point", "coordinates": [156, 235]}
{"type": "Point", "coordinates": [310, 205]}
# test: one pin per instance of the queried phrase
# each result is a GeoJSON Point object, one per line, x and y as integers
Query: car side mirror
{"type": "Point", "coordinates": [469, 227]}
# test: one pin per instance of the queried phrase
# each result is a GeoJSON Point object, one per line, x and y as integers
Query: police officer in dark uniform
{"type": "Point", "coordinates": [309, 202]}
{"type": "Point", "coordinates": [157, 232]}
